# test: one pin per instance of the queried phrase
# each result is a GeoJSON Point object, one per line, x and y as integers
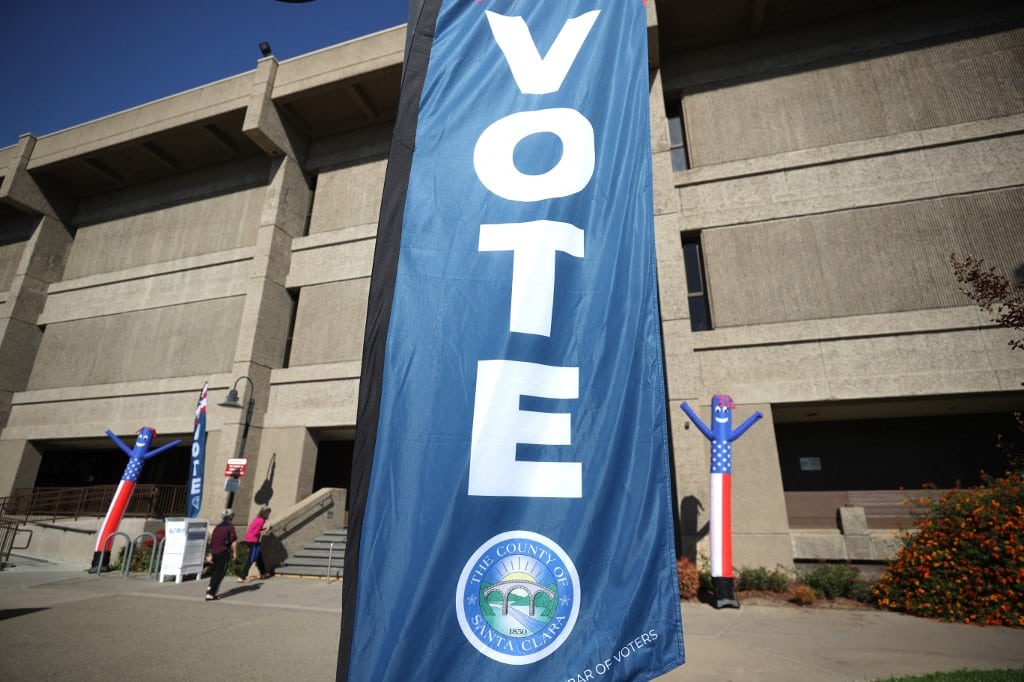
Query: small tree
{"type": "Point", "coordinates": [993, 293]}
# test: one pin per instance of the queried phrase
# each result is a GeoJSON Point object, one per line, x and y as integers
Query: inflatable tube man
{"type": "Point", "coordinates": [721, 435]}
{"type": "Point", "coordinates": [136, 458]}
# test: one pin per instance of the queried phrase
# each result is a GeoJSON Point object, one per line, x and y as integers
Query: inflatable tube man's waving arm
{"type": "Point", "coordinates": [697, 422]}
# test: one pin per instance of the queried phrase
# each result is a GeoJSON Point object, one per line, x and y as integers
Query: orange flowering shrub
{"type": "Point", "coordinates": [803, 595]}
{"type": "Point", "coordinates": [689, 579]}
{"type": "Point", "coordinates": [965, 563]}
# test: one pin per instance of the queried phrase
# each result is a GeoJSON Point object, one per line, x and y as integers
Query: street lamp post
{"type": "Point", "coordinates": [232, 401]}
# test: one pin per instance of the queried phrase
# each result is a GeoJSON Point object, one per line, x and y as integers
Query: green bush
{"type": "Point", "coordinates": [965, 562]}
{"type": "Point", "coordinates": [235, 567]}
{"type": "Point", "coordinates": [706, 586]}
{"type": "Point", "coordinates": [833, 581]}
{"type": "Point", "coordinates": [762, 580]}
{"type": "Point", "coordinates": [142, 554]}
{"type": "Point", "coordinates": [862, 591]}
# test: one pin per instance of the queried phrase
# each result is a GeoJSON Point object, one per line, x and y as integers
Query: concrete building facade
{"type": "Point", "coordinates": [816, 164]}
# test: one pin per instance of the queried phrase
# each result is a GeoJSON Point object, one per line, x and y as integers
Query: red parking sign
{"type": "Point", "coordinates": [235, 468]}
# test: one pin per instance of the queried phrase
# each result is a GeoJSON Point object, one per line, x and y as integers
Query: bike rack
{"type": "Point", "coordinates": [126, 568]}
{"type": "Point", "coordinates": [158, 554]}
{"type": "Point", "coordinates": [110, 539]}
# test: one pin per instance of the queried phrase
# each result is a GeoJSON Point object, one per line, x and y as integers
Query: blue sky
{"type": "Point", "coordinates": [67, 62]}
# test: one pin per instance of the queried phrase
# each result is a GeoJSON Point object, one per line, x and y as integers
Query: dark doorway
{"type": "Point", "coordinates": [72, 467]}
{"type": "Point", "coordinates": [333, 465]}
{"type": "Point", "coordinates": [889, 454]}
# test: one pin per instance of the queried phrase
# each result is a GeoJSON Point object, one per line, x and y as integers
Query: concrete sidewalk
{"type": "Point", "coordinates": [57, 621]}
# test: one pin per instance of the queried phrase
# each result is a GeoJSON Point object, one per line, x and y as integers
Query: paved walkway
{"type": "Point", "coordinates": [59, 622]}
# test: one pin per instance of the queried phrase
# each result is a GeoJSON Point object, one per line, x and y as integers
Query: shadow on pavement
{"type": "Point", "coordinates": [241, 589]}
{"type": "Point", "coordinates": [7, 614]}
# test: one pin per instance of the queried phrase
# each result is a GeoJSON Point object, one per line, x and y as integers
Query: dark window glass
{"type": "Point", "coordinates": [694, 272]}
{"type": "Point", "coordinates": [700, 316]}
{"type": "Point", "coordinates": [696, 289]}
{"type": "Point", "coordinates": [676, 134]}
{"type": "Point", "coordinates": [294, 295]}
{"type": "Point", "coordinates": [309, 212]}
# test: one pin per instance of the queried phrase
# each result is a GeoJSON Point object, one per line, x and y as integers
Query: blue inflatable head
{"type": "Point", "coordinates": [143, 441]}
{"type": "Point", "coordinates": [721, 416]}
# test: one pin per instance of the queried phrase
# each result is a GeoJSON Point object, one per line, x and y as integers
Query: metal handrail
{"type": "Point", "coordinates": [330, 557]}
{"type": "Point", "coordinates": [9, 529]}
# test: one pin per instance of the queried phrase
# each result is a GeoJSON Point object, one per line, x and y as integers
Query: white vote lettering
{"type": "Point", "coordinates": [495, 166]}
{"type": "Point", "coordinates": [533, 74]}
{"type": "Point", "coordinates": [499, 425]}
{"type": "Point", "coordinates": [533, 245]}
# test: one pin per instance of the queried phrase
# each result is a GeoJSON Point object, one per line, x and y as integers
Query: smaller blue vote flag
{"type": "Point", "coordinates": [511, 505]}
{"type": "Point", "coordinates": [197, 462]}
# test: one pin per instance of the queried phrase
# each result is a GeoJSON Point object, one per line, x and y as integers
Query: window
{"type": "Point", "coordinates": [312, 180]}
{"type": "Point", "coordinates": [676, 134]}
{"type": "Point", "coordinates": [294, 295]}
{"type": "Point", "coordinates": [696, 287]}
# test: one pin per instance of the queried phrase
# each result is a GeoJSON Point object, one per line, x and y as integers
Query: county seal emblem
{"type": "Point", "coordinates": [518, 597]}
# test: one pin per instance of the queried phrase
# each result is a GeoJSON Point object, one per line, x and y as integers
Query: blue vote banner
{"type": "Point", "coordinates": [197, 460]}
{"type": "Point", "coordinates": [511, 505]}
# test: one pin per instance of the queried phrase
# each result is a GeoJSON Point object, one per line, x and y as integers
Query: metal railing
{"type": "Point", "coordinates": [9, 529]}
{"type": "Point", "coordinates": [40, 505]}
{"type": "Point", "coordinates": [53, 503]}
{"type": "Point", "coordinates": [330, 557]}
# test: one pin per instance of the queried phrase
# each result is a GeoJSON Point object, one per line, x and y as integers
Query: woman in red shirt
{"type": "Point", "coordinates": [253, 535]}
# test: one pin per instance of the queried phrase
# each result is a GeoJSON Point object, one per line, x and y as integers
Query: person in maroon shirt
{"type": "Point", "coordinates": [223, 545]}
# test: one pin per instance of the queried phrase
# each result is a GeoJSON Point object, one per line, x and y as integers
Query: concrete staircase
{"type": "Point", "coordinates": [322, 558]}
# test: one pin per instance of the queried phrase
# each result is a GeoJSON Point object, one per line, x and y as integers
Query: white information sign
{"type": "Point", "coordinates": [810, 464]}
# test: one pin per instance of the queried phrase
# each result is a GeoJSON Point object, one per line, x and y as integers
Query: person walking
{"type": "Point", "coordinates": [253, 535]}
{"type": "Point", "coordinates": [223, 546]}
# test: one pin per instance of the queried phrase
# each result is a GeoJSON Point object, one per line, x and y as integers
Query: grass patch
{"type": "Point", "coordinates": [1000, 675]}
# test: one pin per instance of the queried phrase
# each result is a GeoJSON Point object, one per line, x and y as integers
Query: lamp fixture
{"type": "Point", "coordinates": [232, 401]}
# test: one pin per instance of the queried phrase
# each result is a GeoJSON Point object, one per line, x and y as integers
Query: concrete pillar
{"type": "Point", "coordinates": [672, 298]}
{"type": "Point", "coordinates": [263, 332]}
{"type": "Point", "coordinates": [214, 496]}
{"type": "Point", "coordinates": [287, 466]}
{"type": "Point", "coordinates": [19, 464]}
{"type": "Point", "coordinates": [760, 523]}
{"type": "Point", "coordinates": [42, 263]}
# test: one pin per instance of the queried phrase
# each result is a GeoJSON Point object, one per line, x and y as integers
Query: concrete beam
{"type": "Point", "coordinates": [263, 121]}
{"type": "Point", "coordinates": [20, 189]}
